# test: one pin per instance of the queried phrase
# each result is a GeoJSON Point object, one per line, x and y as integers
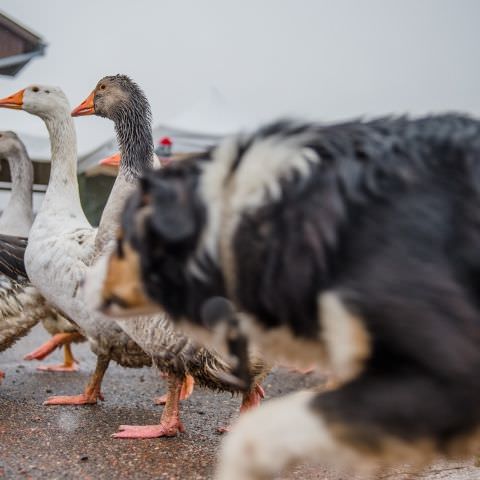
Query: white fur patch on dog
{"type": "Point", "coordinates": [266, 162]}
{"type": "Point", "coordinates": [274, 436]}
{"type": "Point", "coordinates": [345, 338]}
{"type": "Point", "coordinates": [256, 180]}
{"type": "Point", "coordinates": [212, 192]}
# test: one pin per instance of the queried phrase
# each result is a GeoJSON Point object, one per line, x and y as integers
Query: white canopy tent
{"type": "Point", "coordinates": [211, 115]}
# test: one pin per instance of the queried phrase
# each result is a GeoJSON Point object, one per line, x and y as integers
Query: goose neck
{"type": "Point", "coordinates": [63, 174]}
{"type": "Point", "coordinates": [21, 172]}
{"type": "Point", "coordinates": [134, 135]}
{"type": "Point", "coordinates": [18, 214]}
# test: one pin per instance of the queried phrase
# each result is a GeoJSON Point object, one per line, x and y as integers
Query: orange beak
{"type": "Point", "coordinates": [86, 107]}
{"type": "Point", "coordinates": [14, 101]}
{"type": "Point", "coordinates": [111, 161]}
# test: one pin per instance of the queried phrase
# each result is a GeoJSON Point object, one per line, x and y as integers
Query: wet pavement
{"type": "Point", "coordinates": [70, 442]}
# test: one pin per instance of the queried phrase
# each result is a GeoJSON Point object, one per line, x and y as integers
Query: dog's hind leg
{"type": "Point", "coordinates": [267, 440]}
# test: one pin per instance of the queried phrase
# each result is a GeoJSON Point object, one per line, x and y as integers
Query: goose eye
{"type": "Point", "coordinates": [102, 87]}
{"type": "Point", "coordinates": [35, 89]}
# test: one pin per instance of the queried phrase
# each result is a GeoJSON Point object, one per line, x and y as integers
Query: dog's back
{"type": "Point", "coordinates": [359, 239]}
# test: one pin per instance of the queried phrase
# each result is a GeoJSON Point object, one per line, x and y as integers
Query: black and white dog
{"type": "Point", "coordinates": [355, 245]}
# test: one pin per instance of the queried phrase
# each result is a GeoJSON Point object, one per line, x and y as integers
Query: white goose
{"type": "Point", "coordinates": [63, 246]}
{"type": "Point", "coordinates": [16, 220]}
{"type": "Point", "coordinates": [62, 242]}
{"type": "Point", "coordinates": [17, 298]}
{"type": "Point", "coordinates": [21, 305]}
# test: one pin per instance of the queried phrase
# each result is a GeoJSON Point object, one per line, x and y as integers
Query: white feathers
{"type": "Point", "coordinates": [21, 305]}
{"type": "Point", "coordinates": [345, 337]}
{"type": "Point", "coordinates": [63, 246]}
{"type": "Point", "coordinates": [256, 180]}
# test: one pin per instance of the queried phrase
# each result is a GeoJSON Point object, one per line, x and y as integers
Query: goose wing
{"type": "Point", "coordinates": [12, 252]}
{"type": "Point", "coordinates": [21, 304]}
{"type": "Point", "coordinates": [21, 307]}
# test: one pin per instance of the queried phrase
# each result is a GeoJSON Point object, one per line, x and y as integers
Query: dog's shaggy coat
{"type": "Point", "coordinates": [358, 244]}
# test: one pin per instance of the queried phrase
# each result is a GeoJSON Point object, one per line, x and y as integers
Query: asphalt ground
{"type": "Point", "coordinates": [74, 442]}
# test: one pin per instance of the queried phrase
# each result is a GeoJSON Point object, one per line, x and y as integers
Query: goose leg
{"type": "Point", "coordinates": [187, 390]}
{"type": "Point", "coordinates": [250, 400]}
{"type": "Point", "coordinates": [92, 390]}
{"type": "Point", "coordinates": [2, 376]}
{"type": "Point", "coordinates": [69, 363]}
{"type": "Point", "coordinates": [170, 423]}
{"type": "Point", "coordinates": [48, 347]}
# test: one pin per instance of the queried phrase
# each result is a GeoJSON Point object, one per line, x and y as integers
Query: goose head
{"type": "Point", "coordinates": [45, 101]}
{"type": "Point", "coordinates": [9, 144]}
{"type": "Point", "coordinates": [113, 96]}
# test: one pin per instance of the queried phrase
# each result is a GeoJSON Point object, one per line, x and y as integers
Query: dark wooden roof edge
{"type": "Point", "coordinates": [17, 62]}
{"type": "Point", "coordinates": [19, 29]}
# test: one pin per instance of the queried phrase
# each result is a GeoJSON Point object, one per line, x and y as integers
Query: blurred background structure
{"type": "Point", "coordinates": [212, 68]}
{"type": "Point", "coordinates": [18, 46]}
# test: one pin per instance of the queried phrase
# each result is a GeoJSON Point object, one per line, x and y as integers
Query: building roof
{"type": "Point", "coordinates": [18, 45]}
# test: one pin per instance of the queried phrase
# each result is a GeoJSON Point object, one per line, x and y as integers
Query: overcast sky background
{"type": "Point", "coordinates": [324, 59]}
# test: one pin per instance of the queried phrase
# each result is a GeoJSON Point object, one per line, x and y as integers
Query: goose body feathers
{"type": "Point", "coordinates": [21, 305]}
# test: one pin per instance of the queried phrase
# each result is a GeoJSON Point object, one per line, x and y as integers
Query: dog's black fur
{"type": "Point", "coordinates": [389, 219]}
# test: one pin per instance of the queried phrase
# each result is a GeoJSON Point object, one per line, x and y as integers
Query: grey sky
{"type": "Point", "coordinates": [326, 59]}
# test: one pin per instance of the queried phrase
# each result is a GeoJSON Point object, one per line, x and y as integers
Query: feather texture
{"type": "Point", "coordinates": [21, 305]}
{"type": "Point", "coordinates": [12, 251]}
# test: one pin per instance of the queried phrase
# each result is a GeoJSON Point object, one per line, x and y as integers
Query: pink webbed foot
{"type": "Point", "coordinates": [58, 368]}
{"type": "Point", "coordinates": [165, 429]}
{"type": "Point", "coordinates": [2, 376]}
{"type": "Point", "coordinates": [251, 400]}
{"type": "Point", "coordinates": [82, 399]}
{"type": "Point", "coordinates": [92, 391]}
{"type": "Point", "coordinates": [49, 346]}
{"type": "Point", "coordinates": [185, 392]}
{"type": "Point", "coordinates": [170, 423]}
{"type": "Point", "coordinates": [69, 364]}
{"type": "Point", "coordinates": [42, 351]}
